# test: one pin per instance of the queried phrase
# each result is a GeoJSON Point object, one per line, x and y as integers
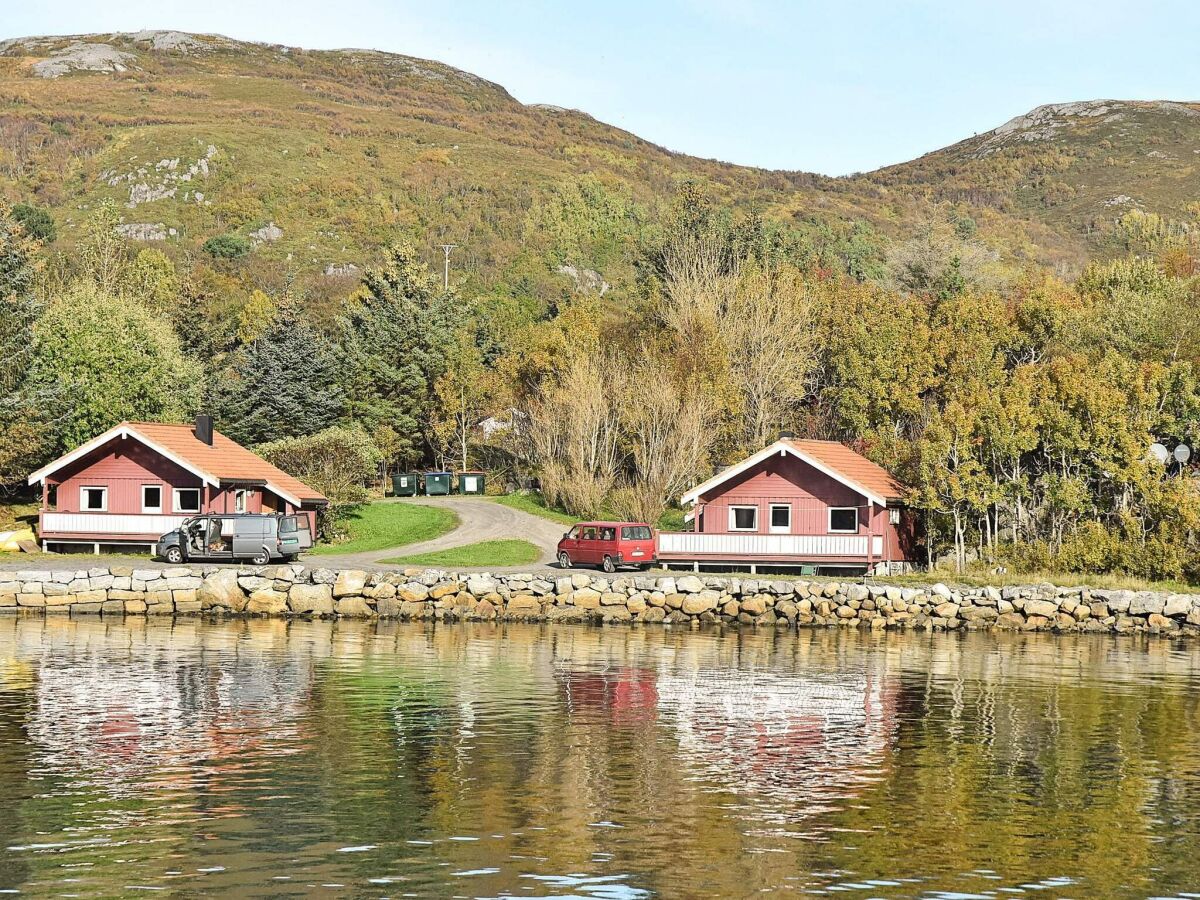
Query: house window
{"type": "Point", "coordinates": [894, 516]}
{"type": "Point", "coordinates": [241, 500]}
{"type": "Point", "coordinates": [843, 519]}
{"type": "Point", "coordinates": [152, 498]}
{"type": "Point", "coordinates": [187, 500]}
{"type": "Point", "coordinates": [93, 499]}
{"type": "Point", "coordinates": [781, 518]}
{"type": "Point", "coordinates": [743, 518]}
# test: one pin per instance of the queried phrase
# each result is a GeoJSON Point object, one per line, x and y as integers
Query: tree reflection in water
{"type": "Point", "coordinates": [267, 756]}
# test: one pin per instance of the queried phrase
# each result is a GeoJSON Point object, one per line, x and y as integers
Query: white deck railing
{"type": "Point", "coordinates": [803, 546]}
{"type": "Point", "coordinates": [100, 524]}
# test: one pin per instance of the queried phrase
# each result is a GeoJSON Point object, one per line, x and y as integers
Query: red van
{"type": "Point", "coordinates": [608, 545]}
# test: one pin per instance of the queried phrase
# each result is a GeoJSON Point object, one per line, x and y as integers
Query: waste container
{"type": "Point", "coordinates": [437, 483]}
{"type": "Point", "coordinates": [404, 484]}
{"type": "Point", "coordinates": [470, 482]}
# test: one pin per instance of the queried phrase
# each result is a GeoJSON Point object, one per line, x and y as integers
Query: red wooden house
{"type": "Point", "coordinates": [797, 503]}
{"type": "Point", "coordinates": [141, 479]}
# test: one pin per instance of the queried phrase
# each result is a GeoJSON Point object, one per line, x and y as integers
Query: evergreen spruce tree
{"type": "Point", "coordinates": [282, 385]}
{"type": "Point", "coordinates": [395, 337]}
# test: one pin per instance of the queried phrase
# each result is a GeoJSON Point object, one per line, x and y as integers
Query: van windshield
{"type": "Point", "coordinates": [635, 533]}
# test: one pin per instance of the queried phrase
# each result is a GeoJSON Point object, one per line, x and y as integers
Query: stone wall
{"type": "Point", "coordinates": [293, 590]}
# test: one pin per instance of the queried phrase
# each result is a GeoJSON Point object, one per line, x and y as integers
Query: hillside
{"type": "Point", "coordinates": [317, 158]}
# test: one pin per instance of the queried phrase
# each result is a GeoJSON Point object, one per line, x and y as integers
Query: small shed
{"type": "Point", "coordinates": [472, 482]}
{"type": "Point", "coordinates": [438, 483]}
{"type": "Point", "coordinates": [405, 484]}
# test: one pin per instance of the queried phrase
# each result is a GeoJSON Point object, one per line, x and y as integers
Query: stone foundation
{"type": "Point", "coordinates": [294, 590]}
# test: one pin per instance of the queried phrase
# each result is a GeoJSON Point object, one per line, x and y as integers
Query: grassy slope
{"type": "Point", "coordinates": [346, 150]}
{"type": "Point", "coordinates": [535, 505]}
{"type": "Point", "coordinates": [475, 556]}
{"type": "Point", "coordinates": [378, 526]}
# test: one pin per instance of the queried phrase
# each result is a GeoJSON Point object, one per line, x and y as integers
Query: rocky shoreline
{"type": "Point", "coordinates": [293, 590]}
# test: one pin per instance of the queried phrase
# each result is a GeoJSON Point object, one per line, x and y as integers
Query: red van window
{"type": "Point", "coordinates": [608, 534]}
{"type": "Point", "coordinates": [587, 534]}
{"type": "Point", "coordinates": [635, 533]}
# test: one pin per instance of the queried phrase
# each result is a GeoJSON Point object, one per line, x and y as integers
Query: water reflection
{"type": "Point", "coordinates": [275, 758]}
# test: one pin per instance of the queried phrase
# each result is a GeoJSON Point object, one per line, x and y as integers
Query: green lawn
{"type": "Point", "coordinates": [476, 556]}
{"type": "Point", "coordinates": [379, 526]}
{"type": "Point", "coordinates": [535, 504]}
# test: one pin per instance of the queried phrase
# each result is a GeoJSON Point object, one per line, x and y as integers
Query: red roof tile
{"type": "Point", "coordinates": [854, 466]}
{"type": "Point", "coordinates": [225, 459]}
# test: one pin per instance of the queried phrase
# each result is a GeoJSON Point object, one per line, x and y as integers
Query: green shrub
{"type": "Point", "coordinates": [227, 246]}
{"type": "Point", "coordinates": [36, 222]}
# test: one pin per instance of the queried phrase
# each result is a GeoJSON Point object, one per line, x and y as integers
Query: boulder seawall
{"type": "Point", "coordinates": [295, 590]}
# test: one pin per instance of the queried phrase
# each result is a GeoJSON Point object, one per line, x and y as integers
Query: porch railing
{"type": "Point", "coordinates": [801, 546]}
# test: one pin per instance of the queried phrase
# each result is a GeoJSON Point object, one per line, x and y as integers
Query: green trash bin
{"type": "Point", "coordinates": [437, 483]}
{"type": "Point", "coordinates": [471, 482]}
{"type": "Point", "coordinates": [405, 484]}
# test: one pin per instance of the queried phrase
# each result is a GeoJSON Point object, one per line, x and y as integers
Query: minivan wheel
{"type": "Point", "coordinates": [564, 560]}
{"type": "Point", "coordinates": [608, 565]}
{"type": "Point", "coordinates": [261, 558]}
{"type": "Point", "coordinates": [173, 555]}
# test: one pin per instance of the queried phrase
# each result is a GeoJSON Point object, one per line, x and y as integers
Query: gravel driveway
{"type": "Point", "coordinates": [479, 520]}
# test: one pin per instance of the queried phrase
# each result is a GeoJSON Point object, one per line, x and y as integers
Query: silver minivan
{"type": "Point", "coordinates": [228, 537]}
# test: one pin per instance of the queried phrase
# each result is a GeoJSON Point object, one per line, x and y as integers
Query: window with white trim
{"type": "Point", "coordinates": [843, 519]}
{"type": "Point", "coordinates": [781, 518]}
{"type": "Point", "coordinates": [152, 498]}
{"type": "Point", "coordinates": [241, 500]}
{"type": "Point", "coordinates": [93, 499]}
{"type": "Point", "coordinates": [187, 500]}
{"type": "Point", "coordinates": [743, 518]}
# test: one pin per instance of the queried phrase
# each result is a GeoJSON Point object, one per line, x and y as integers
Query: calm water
{"type": "Point", "coordinates": [266, 758]}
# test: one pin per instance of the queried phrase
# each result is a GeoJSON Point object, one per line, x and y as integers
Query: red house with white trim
{"type": "Point", "coordinates": [139, 480]}
{"type": "Point", "coordinates": [797, 503]}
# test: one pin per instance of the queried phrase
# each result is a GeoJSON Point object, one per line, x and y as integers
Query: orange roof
{"type": "Point", "coordinates": [833, 458]}
{"type": "Point", "coordinates": [225, 459]}
{"type": "Point", "coordinates": [852, 465]}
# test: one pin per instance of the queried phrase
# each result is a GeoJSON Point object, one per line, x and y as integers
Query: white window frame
{"type": "Point", "coordinates": [894, 516]}
{"type": "Point", "coordinates": [241, 500]}
{"type": "Point", "coordinates": [733, 517]}
{"type": "Point", "coordinates": [779, 529]}
{"type": "Point", "coordinates": [83, 507]}
{"type": "Point", "coordinates": [829, 520]}
{"type": "Point", "coordinates": [178, 507]}
{"type": "Point", "coordinates": [152, 510]}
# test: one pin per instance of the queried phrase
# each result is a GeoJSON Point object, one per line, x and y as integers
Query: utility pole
{"type": "Point", "coordinates": [446, 248]}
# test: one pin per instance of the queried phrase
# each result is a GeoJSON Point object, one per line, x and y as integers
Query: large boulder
{"type": "Point", "coordinates": [689, 584]}
{"type": "Point", "coordinates": [266, 601]}
{"type": "Point", "coordinates": [314, 599]}
{"type": "Point", "coordinates": [222, 591]}
{"type": "Point", "coordinates": [702, 601]}
{"type": "Point", "coordinates": [350, 583]}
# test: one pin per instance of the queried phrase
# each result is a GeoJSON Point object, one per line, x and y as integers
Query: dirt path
{"type": "Point", "coordinates": [478, 520]}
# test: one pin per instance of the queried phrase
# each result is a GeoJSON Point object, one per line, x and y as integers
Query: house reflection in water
{"type": "Point", "coordinates": [802, 741]}
{"type": "Point", "coordinates": [162, 712]}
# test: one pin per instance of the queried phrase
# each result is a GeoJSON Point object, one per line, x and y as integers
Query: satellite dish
{"type": "Point", "coordinates": [1182, 454]}
{"type": "Point", "coordinates": [1159, 452]}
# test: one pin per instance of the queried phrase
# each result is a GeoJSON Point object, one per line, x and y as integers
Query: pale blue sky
{"type": "Point", "coordinates": [825, 87]}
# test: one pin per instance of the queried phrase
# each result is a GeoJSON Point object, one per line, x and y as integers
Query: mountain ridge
{"type": "Point", "coordinates": [382, 142]}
